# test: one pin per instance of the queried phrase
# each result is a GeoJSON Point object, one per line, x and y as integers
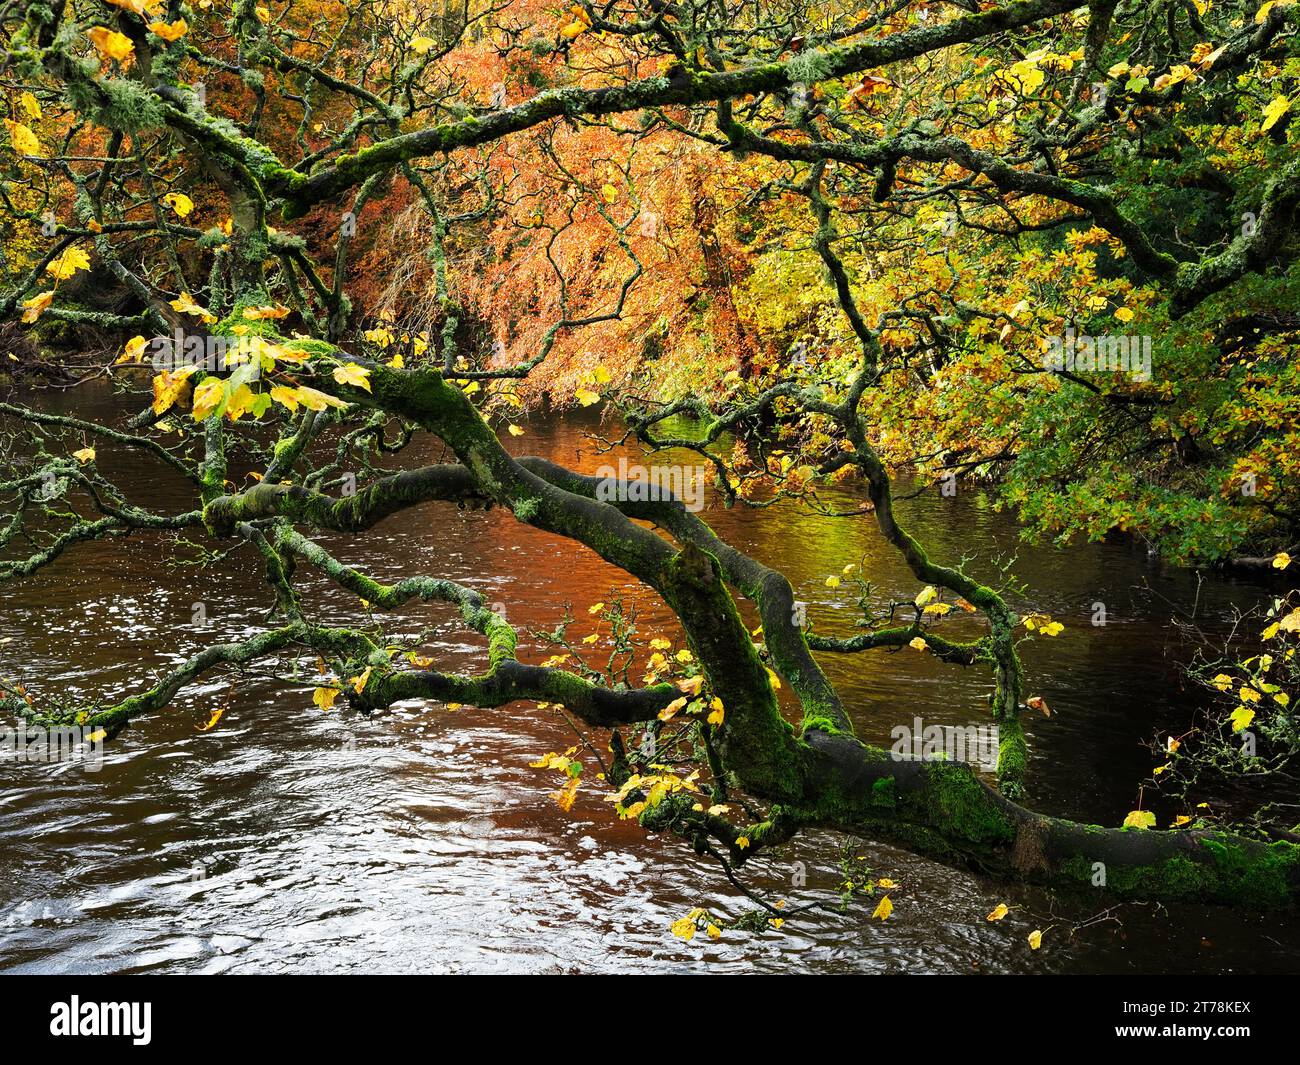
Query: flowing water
{"type": "Point", "coordinates": [286, 839]}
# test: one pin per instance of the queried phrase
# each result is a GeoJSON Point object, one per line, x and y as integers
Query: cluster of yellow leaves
{"type": "Point", "coordinates": [684, 928]}
{"type": "Point", "coordinates": [1042, 623]}
{"type": "Point", "coordinates": [654, 786]}
{"type": "Point", "coordinates": [572, 770]}
{"type": "Point", "coordinates": [579, 22]}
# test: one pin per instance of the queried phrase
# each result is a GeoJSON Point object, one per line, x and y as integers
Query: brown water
{"type": "Point", "coordinates": [289, 840]}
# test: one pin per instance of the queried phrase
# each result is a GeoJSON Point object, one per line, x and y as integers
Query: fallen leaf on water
{"type": "Point", "coordinates": [216, 716]}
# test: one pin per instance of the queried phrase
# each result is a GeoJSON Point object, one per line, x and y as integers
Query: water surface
{"type": "Point", "coordinates": [288, 840]}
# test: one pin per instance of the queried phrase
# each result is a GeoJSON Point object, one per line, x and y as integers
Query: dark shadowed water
{"type": "Point", "coordinates": [286, 839]}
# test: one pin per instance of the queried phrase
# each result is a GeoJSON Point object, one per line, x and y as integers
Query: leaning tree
{"type": "Point", "coordinates": [283, 123]}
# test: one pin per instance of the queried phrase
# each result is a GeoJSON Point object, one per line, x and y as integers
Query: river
{"type": "Point", "coordinates": [288, 840]}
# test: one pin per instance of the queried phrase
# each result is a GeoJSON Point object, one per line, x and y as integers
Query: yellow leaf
{"type": "Point", "coordinates": [925, 595]}
{"type": "Point", "coordinates": [917, 643]}
{"type": "Point", "coordinates": [684, 928]}
{"type": "Point", "coordinates": [565, 796]}
{"type": "Point", "coordinates": [1274, 110]}
{"type": "Point", "coordinates": [359, 683]}
{"type": "Point", "coordinates": [587, 397]}
{"type": "Point", "coordinates": [216, 716]}
{"type": "Point", "coordinates": [1037, 702]}
{"type": "Point", "coordinates": [1262, 13]}
{"type": "Point", "coordinates": [169, 389]}
{"type": "Point", "coordinates": [170, 31]}
{"type": "Point", "coordinates": [352, 374]}
{"type": "Point", "coordinates": [716, 711]}
{"type": "Point", "coordinates": [1035, 939]}
{"type": "Point", "coordinates": [181, 204]}
{"type": "Point", "coordinates": [670, 711]}
{"type": "Point", "coordinates": [31, 105]}
{"type": "Point", "coordinates": [883, 908]}
{"type": "Point", "coordinates": [714, 931]}
{"type": "Point", "coordinates": [421, 45]}
{"type": "Point", "coordinates": [184, 304]}
{"type": "Point", "coordinates": [36, 306]}
{"type": "Point", "coordinates": [207, 397]}
{"type": "Point", "coordinates": [257, 314]}
{"type": "Point", "coordinates": [742, 843]}
{"type": "Point", "coordinates": [324, 698]}
{"type": "Point", "coordinates": [1124, 315]}
{"type": "Point", "coordinates": [1140, 819]}
{"type": "Point", "coordinates": [1281, 560]}
{"type": "Point", "coordinates": [514, 430]}
{"type": "Point", "coordinates": [23, 139]}
{"type": "Point", "coordinates": [111, 44]}
{"type": "Point", "coordinates": [885, 882]}
{"type": "Point", "coordinates": [317, 401]}
{"type": "Point", "coordinates": [263, 15]}
{"type": "Point", "coordinates": [609, 193]}
{"type": "Point", "coordinates": [999, 912]}
{"type": "Point", "coordinates": [134, 350]}
{"type": "Point", "coordinates": [240, 403]}
{"type": "Point", "coordinates": [1241, 718]}
{"type": "Point", "coordinates": [832, 582]}
{"type": "Point", "coordinates": [287, 397]}
{"type": "Point", "coordinates": [86, 454]}
{"type": "Point", "coordinates": [67, 264]}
